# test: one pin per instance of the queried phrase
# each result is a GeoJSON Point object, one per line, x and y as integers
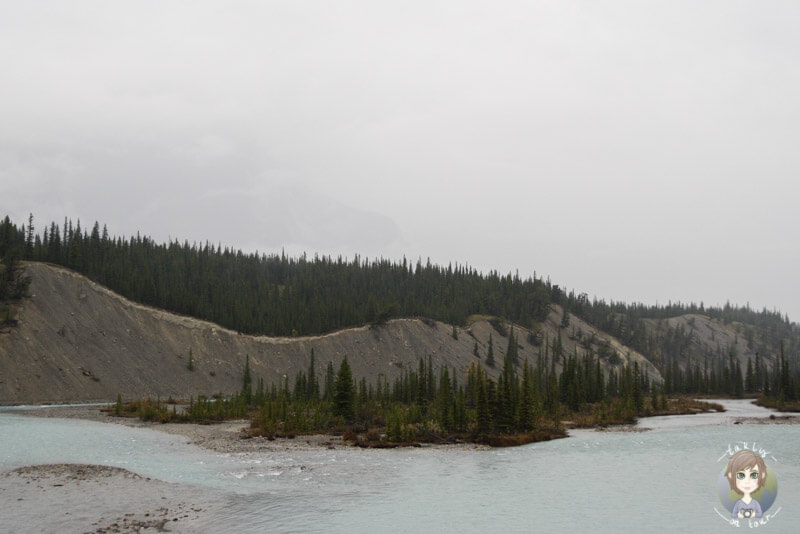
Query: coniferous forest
{"type": "Point", "coordinates": [423, 405]}
{"type": "Point", "coordinates": [272, 294]}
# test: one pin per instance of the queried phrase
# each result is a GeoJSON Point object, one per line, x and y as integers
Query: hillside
{"type": "Point", "coordinates": [78, 341]}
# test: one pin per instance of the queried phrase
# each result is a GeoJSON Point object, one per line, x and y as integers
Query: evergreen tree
{"type": "Point", "coordinates": [512, 351]}
{"type": "Point", "coordinates": [738, 384]}
{"type": "Point", "coordinates": [526, 408]}
{"type": "Point", "coordinates": [260, 393]}
{"type": "Point", "coordinates": [490, 352]}
{"type": "Point", "coordinates": [312, 384]}
{"type": "Point", "coordinates": [29, 239]}
{"type": "Point", "coordinates": [345, 393]}
{"type": "Point", "coordinates": [330, 380]}
{"type": "Point", "coordinates": [483, 415]}
{"type": "Point", "coordinates": [749, 380]}
{"type": "Point", "coordinates": [758, 374]}
{"type": "Point", "coordinates": [247, 381]}
{"type": "Point", "coordinates": [638, 395]}
{"type": "Point", "coordinates": [507, 385]}
{"type": "Point", "coordinates": [445, 400]}
{"type": "Point", "coordinates": [14, 283]}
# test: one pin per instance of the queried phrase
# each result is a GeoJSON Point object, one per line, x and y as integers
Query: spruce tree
{"type": "Point", "coordinates": [512, 351]}
{"type": "Point", "coordinates": [247, 381]}
{"type": "Point", "coordinates": [344, 393]}
{"type": "Point", "coordinates": [312, 383]}
{"type": "Point", "coordinates": [29, 239]}
{"type": "Point", "coordinates": [526, 400]}
{"type": "Point", "coordinates": [483, 414]}
{"type": "Point", "coordinates": [490, 352]}
{"type": "Point", "coordinates": [330, 379]}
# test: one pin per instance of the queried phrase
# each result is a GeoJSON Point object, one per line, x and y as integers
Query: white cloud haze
{"type": "Point", "coordinates": [636, 150]}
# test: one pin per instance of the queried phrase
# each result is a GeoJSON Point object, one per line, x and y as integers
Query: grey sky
{"type": "Point", "coordinates": [638, 151]}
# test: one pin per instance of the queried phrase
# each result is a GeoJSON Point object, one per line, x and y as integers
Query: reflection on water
{"type": "Point", "coordinates": [660, 480]}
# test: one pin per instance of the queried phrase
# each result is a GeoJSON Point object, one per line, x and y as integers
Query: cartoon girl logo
{"type": "Point", "coordinates": [747, 488]}
{"type": "Point", "coordinates": [746, 474]}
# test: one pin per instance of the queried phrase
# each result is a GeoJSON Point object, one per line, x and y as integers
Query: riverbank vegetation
{"type": "Point", "coordinates": [782, 391]}
{"type": "Point", "coordinates": [426, 405]}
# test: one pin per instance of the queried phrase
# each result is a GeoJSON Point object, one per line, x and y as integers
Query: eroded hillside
{"type": "Point", "coordinates": [78, 341]}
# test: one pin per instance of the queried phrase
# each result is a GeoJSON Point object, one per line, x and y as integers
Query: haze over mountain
{"type": "Point", "coordinates": [641, 152]}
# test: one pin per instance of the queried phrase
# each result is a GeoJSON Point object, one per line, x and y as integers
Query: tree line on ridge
{"type": "Point", "coordinates": [281, 296]}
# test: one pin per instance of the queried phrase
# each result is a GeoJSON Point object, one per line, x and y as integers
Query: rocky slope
{"type": "Point", "coordinates": [77, 341]}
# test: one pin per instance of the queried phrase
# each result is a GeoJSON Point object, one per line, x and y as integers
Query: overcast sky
{"type": "Point", "coordinates": [638, 151]}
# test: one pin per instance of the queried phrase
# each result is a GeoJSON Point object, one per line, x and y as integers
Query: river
{"type": "Point", "coordinates": [660, 480]}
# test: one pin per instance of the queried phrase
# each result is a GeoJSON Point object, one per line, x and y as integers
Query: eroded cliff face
{"type": "Point", "coordinates": [76, 341]}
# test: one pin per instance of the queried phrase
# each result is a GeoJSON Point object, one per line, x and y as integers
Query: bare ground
{"type": "Point", "coordinates": [94, 498]}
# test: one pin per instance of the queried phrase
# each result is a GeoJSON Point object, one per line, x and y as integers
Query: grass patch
{"type": "Point", "coordinates": [685, 406]}
{"type": "Point", "coordinates": [778, 404]}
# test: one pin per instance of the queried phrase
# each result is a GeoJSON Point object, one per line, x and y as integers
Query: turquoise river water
{"type": "Point", "coordinates": [661, 480]}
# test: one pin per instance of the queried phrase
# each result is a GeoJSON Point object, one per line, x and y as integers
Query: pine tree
{"type": "Point", "coordinates": [512, 351]}
{"type": "Point", "coordinates": [638, 394]}
{"type": "Point", "coordinates": [13, 282]}
{"type": "Point", "coordinates": [738, 382]}
{"type": "Point", "coordinates": [483, 414]}
{"type": "Point", "coordinates": [506, 407]}
{"type": "Point", "coordinates": [490, 352]}
{"type": "Point", "coordinates": [330, 380]}
{"type": "Point", "coordinates": [444, 400]}
{"type": "Point", "coordinates": [344, 393]}
{"type": "Point", "coordinates": [758, 374]}
{"type": "Point", "coordinates": [260, 393]}
{"type": "Point", "coordinates": [29, 239]}
{"type": "Point", "coordinates": [312, 383]}
{"type": "Point", "coordinates": [526, 410]}
{"type": "Point", "coordinates": [247, 381]}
